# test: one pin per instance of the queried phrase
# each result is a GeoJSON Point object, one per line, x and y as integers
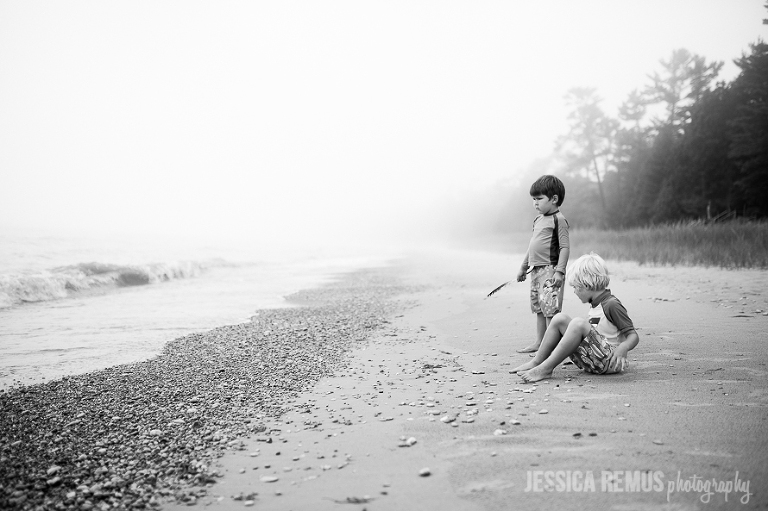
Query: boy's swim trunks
{"type": "Point", "coordinates": [545, 298]}
{"type": "Point", "coordinates": [593, 354]}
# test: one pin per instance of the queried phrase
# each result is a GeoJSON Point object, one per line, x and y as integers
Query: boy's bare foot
{"type": "Point", "coordinates": [535, 374]}
{"type": "Point", "coordinates": [533, 348]}
{"type": "Point", "coordinates": [528, 365]}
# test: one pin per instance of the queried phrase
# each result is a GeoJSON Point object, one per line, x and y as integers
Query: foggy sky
{"type": "Point", "coordinates": [308, 118]}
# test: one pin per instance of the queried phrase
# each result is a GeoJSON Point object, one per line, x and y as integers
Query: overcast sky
{"type": "Point", "coordinates": [308, 117]}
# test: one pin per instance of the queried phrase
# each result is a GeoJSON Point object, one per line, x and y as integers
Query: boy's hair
{"type": "Point", "coordinates": [589, 272]}
{"type": "Point", "coordinates": [549, 186]}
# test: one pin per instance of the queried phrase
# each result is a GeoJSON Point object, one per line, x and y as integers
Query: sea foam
{"type": "Point", "coordinates": [57, 283]}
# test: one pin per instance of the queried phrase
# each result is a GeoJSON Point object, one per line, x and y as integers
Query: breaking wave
{"type": "Point", "coordinates": [61, 282]}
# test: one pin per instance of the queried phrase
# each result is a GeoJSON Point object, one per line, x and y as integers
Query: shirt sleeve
{"type": "Point", "coordinates": [564, 242]}
{"type": "Point", "coordinates": [617, 314]}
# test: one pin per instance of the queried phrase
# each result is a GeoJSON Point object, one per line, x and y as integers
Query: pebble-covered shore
{"type": "Point", "coordinates": [138, 435]}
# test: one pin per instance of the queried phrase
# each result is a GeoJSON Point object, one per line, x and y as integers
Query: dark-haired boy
{"type": "Point", "coordinates": [547, 255]}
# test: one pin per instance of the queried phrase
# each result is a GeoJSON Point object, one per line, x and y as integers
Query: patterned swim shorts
{"type": "Point", "coordinates": [593, 354]}
{"type": "Point", "coordinates": [545, 298]}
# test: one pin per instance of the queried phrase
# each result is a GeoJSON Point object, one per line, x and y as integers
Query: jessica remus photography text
{"type": "Point", "coordinates": [638, 481]}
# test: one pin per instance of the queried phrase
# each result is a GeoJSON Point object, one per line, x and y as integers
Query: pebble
{"type": "Point", "coordinates": [424, 472]}
{"type": "Point", "coordinates": [269, 479]}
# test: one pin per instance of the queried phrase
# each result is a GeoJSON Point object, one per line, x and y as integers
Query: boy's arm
{"type": "Point", "coordinates": [523, 271]}
{"type": "Point", "coordinates": [562, 262]}
{"type": "Point", "coordinates": [565, 251]}
{"type": "Point", "coordinates": [628, 338]}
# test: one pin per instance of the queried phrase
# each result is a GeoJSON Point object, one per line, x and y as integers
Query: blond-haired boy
{"type": "Point", "coordinates": [598, 344]}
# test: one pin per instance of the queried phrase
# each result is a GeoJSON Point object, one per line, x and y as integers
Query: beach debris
{"type": "Point", "coordinates": [365, 499]}
{"type": "Point", "coordinates": [245, 496]}
{"type": "Point", "coordinates": [407, 442]}
{"type": "Point", "coordinates": [425, 472]}
{"type": "Point", "coordinates": [500, 432]}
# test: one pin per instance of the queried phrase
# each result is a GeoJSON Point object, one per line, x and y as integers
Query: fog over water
{"type": "Point", "coordinates": [308, 122]}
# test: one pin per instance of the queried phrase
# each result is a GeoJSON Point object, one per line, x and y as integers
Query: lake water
{"type": "Point", "coordinates": [72, 305]}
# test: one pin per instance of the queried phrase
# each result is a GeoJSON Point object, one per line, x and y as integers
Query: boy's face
{"type": "Point", "coordinates": [544, 204]}
{"type": "Point", "coordinates": [583, 294]}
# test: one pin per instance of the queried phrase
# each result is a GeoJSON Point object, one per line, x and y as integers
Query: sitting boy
{"type": "Point", "coordinates": [598, 344]}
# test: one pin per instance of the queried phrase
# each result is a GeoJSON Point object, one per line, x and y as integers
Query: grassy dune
{"type": "Point", "coordinates": [736, 244]}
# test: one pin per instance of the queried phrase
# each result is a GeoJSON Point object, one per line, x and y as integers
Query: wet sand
{"type": "Point", "coordinates": [425, 414]}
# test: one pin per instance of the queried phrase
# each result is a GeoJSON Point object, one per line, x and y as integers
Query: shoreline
{"type": "Point", "coordinates": [417, 353]}
{"type": "Point", "coordinates": [48, 340]}
{"type": "Point", "coordinates": [132, 435]}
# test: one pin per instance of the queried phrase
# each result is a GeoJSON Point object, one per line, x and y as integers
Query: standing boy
{"type": "Point", "coordinates": [547, 255]}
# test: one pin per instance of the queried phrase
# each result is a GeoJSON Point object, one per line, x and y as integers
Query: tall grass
{"type": "Point", "coordinates": [735, 244]}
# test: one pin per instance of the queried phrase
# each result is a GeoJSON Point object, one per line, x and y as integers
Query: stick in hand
{"type": "Point", "coordinates": [498, 288]}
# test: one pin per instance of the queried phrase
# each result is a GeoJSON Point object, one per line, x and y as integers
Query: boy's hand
{"type": "Point", "coordinates": [618, 361]}
{"type": "Point", "coordinates": [557, 279]}
{"type": "Point", "coordinates": [521, 274]}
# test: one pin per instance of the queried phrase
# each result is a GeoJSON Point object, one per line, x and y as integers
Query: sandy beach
{"type": "Point", "coordinates": [431, 393]}
{"type": "Point", "coordinates": [410, 405]}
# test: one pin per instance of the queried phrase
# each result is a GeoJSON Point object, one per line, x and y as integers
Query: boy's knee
{"type": "Point", "coordinates": [580, 324]}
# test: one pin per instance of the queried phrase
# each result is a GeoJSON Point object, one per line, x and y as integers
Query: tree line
{"type": "Point", "coordinates": [684, 147]}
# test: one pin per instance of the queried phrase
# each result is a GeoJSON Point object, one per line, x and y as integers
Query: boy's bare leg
{"type": "Point", "coordinates": [555, 330]}
{"type": "Point", "coordinates": [541, 327]}
{"type": "Point", "coordinates": [556, 349]}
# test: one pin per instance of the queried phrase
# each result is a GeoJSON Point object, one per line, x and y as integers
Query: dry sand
{"type": "Point", "coordinates": [691, 409]}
